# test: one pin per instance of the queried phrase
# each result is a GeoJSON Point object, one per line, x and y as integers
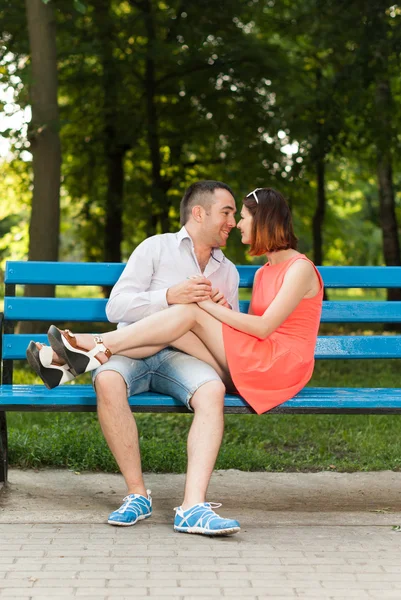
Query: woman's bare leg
{"type": "Point", "coordinates": [191, 344]}
{"type": "Point", "coordinates": [207, 331]}
{"type": "Point", "coordinates": [188, 343]}
{"type": "Point", "coordinates": [159, 329]}
{"type": "Point", "coordinates": [156, 332]}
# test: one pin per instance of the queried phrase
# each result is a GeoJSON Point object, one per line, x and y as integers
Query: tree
{"type": "Point", "coordinates": [381, 43]}
{"type": "Point", "coordinates": [374, 31]}
{"type": "Point", "coordinates": [311, 93]}
{"type": "Point", "coordinates": [164, 95]}
{"type": "Point", "coordinates": [44, 138]}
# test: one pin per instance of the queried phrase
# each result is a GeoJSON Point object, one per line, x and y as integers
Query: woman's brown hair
{"type": "Point", "coordinates": [272, 228]}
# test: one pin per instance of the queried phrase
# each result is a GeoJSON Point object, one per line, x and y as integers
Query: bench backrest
{"type": "Point", "coordinates": [92, 310]}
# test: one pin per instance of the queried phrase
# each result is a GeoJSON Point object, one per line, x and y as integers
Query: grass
{"type": "Point", "coordinates": [251, 443]}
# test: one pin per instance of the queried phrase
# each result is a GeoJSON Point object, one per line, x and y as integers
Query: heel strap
{"type": "Point", "coordinates": [100, 347]}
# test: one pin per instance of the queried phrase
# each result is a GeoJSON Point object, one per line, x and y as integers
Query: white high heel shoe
{"type": "Point", "coordinates": [41, 361]}
{"type": "Point", "coordinates": [78, 359]}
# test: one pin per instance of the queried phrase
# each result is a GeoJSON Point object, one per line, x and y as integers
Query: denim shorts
{"type": "Point", "coordinates": [168, 372]}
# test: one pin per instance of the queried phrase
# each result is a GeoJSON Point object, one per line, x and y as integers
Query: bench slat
{"type": "Point", "coordinates": [361, 312]}
{"type": "Point", "coordinates": [67, 273]}
{"type": "Point", "coordinates": [93, 309]}
{"type": "Point", "coordinates": [361, 277]}
{"type": "Point", "coordinates": [318, 400]}
{"type": "Point", "coordinates": [341, 277]}
{"type": "Point", "coordinates": [358, 346]}
{"type": "Point", "coordinates": [331, 346]}
{"type": "Point", "coordinates": [62, 273]}
{"type": "Point", "coordinates": [55, 309]}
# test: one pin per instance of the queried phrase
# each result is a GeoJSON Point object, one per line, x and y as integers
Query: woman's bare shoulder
{"type": "Point", "coordinates": [258, 273]}
{"type": "Point", "coordinates": [304, 271]}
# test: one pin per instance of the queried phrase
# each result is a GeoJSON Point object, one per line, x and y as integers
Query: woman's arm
{"type": "Point", "coordinates": [298, 281]}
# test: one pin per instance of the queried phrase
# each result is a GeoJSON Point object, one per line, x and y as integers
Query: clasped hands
{"type": "Point", "coordinates": [195, 289]}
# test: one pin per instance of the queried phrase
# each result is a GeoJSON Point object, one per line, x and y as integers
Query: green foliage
{"type": "Point", "coordinates": [14, 210]}
{"type": "Point", "coordinates": [251, 443]}
{"type": "Point", "coordinates": [267, 442]}
{"type": "Point", "coordinates": [205, 73]}
{"type": "Point", "coordinates": [185, 92]}
{"type": "Point", "coordinates": [80, 6]}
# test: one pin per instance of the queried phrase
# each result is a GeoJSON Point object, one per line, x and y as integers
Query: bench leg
{"type": "Point", "coordinates": [3, 448]}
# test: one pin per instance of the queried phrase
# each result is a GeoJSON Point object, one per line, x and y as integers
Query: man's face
{"type": "Point", "coordinates": [219, 219]}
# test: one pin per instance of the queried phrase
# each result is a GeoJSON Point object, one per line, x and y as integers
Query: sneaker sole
{"type": "Point", "coordinates": [203, 531]}
{"type": "Point", "coordinates": [120, 524]}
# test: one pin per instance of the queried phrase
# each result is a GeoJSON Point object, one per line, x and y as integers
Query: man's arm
{"type": "Point", "coordinates": [130, 299]}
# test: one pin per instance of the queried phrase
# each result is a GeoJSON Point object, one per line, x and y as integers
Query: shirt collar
{"type": "Point", "coordinates": [183, 234]}
{"type": "Point", "coordinates": [217, 254]}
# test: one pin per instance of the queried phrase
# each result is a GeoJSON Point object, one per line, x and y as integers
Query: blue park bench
{"type": "Point", "coordinates": [82, 397]}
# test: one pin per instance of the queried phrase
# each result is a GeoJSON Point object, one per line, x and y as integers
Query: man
{"type": "Point", "coordinates": [167, 269]}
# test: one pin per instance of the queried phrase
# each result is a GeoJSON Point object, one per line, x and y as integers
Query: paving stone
{"type": "Point", "coordinates": [283, 556]}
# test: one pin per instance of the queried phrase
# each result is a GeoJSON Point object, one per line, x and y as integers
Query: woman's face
{"type": "Point", "coordinates": [245, 225]}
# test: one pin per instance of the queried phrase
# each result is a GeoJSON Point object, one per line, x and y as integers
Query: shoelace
{"type": "Point", "coordinates": [128, 502]}
{"type": "Point", "coordinates": [207, 513]}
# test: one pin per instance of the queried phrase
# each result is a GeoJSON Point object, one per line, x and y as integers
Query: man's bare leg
{"type": "Point", "coordinates": [204, 440]}
{"type": "Point", "coordinates": [195, 515]}
{"type": "Point", "coordinates": [119, 428]}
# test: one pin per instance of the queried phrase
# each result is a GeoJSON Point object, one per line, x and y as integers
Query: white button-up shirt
{"type": "Point", "coordinates": [157, 264]}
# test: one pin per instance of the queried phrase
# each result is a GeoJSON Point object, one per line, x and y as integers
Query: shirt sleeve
{"type": "Point", "coordinates": [130, 299]}
{"type": "Point", "coordinates": [233, 287]}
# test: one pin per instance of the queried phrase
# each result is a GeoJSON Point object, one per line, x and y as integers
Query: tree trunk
{"type": "Point", "coordinates": [388, 219]}
{"type": "Point", "coordinates": [45, 142]}
{"type": "Point", "coordinates": [113, 227]}
{"type": "Point", "coordinates": [158, 189]}
{"type": "Point", "coordinates": [318, 217]}
{"type": "Point", "coordinates": [319, 155]}
{"type": "Point", "coordinates": [114, 147]}
{"type": "Point", "coordinates": [113, 234]}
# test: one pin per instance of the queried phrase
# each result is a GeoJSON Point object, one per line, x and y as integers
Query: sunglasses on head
{"type": "Point", "coordinates": [254, 194]}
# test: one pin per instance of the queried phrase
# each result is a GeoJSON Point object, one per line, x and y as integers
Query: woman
{"type": "Point", "coordinates": [266, 355]}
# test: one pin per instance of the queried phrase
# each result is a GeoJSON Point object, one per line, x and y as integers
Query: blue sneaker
{"type": "Point", "coordinates": [201, 518]}
{"type": "Point", "coordinates": [134, 508]}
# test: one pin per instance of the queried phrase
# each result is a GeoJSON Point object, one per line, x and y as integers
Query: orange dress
{"type": "Point", "coordinates": [270, 371]}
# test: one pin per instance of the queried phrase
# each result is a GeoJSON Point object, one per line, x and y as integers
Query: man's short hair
{"type": "Point", "coordinates": [200, 193]}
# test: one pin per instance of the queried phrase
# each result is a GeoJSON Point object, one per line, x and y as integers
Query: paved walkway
{"type": "Point", "coordinates": [311, 536]}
